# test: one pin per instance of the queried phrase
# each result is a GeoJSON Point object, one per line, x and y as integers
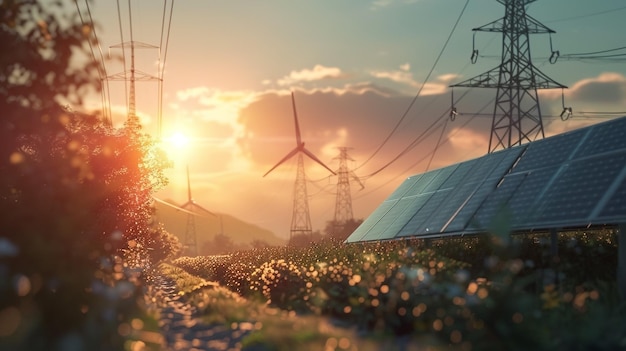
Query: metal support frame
{"type": "Point", "coordinates": [621, 260]}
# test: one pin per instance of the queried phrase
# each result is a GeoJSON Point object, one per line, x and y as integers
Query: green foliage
{"type": "Point", "coordinates": [75, 194]}
{"type": "Point", "coordinates": [341, 231]}
{"type": "Point", "coordinates": [479, 293]}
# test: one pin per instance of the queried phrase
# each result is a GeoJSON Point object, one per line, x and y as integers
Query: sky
{"type": "Point", "coordinates": [355, 68]}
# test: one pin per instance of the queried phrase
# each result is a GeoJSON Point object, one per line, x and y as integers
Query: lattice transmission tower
{"type": "Point", "coordinates": [517, 113]}
{"type": "Point", "coordinates": [343, 200]}
{"type": "Point", "coordinates": [132, 76]}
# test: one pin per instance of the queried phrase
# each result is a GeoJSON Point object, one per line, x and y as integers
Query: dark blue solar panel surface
{"type": "Point", "coordinates": [491, 172]}
{"type": "Point", "coordinates": [614, 208]}
{"type": "Point", "coordinates": [575, 193]}
{"type": "Point", "coordinates": [458, 188]}
{"type": "Point", "coordinates": [360, 234]}
{"type": "Point", "coordinates": [603, 138]}
{"type": "Point", "coordinates": [573, 179]}
{"type": "Point", "coordinates": [418, 223]}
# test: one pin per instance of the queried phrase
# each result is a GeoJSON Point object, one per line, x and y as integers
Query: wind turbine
{"type": "Point", "coordinates": [191, 242]}
{"type": "Point", "coordinates": [301, 219]}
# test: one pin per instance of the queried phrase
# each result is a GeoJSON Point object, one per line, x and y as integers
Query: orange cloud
{"type": "Point", "coordinates": [319, 72]}
{"type": "Point", "coordinates": [404, 76]}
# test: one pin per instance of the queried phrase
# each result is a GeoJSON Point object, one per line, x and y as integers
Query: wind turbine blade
{"type": "Point", "coordinates": [308, 153]}
{"type": "Point", "coordinates": [295, 116]}
{"type": "Point", "coordinates": [188, 186]}
{"type": "Point", "coordinates": [195, 205]}
{"type": "Point", "coordinates": [289, 155]}
{"type": "Point", "coordinates": [177, 207]}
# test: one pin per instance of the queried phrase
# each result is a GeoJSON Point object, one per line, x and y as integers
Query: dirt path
{"type": "Point", "coordinates": [183, 329]}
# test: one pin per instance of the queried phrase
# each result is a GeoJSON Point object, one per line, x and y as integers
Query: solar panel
{"type": "Point", "coordinates": [404, 187]}
{"type": "Point", "coordinates": [529, 194]}
{"type": "Point", "coordinates": [462, 182]}
{"type": "Point", "coordinates": [498, 199]}
{"type": "Point", "coordinates": [491, 172]}
{"type": "Point", "coordinates": [604, 137]}
{"type": "Point", "coordinates": [360, 234]}
{"type": "Point", "coordinates": [573, 179]}
{"type": "Point", "coordinates": [418, 223]}
{"type": "Point", "coordinates": [550, 151]}
{"type": "Point", "coordinates": [578, 189]}
{"type": "Point", "coordinates": [613, 209]}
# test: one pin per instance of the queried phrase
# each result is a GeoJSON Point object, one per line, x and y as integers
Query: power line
{"type": "Point", "coordinates": [119, 18]}
{"type": "Point", "coordinates": [420, 89]}
{"type": "Point", "coordinates": [415, 141]}
{"type": "Point", "coordinates": [443, 130]}
{"type": "Point", "coordinates": [446, 140]}
{"type": "Point", "coordinates": [162, 63]}
{"type": "Point", "coordinates": [105, 81]}
{"type": "Point", "coordinates": [99, 65]}
{"type": "Point", "coordinates": [587, 15]}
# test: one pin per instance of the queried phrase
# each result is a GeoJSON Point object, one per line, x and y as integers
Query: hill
{"type": "Point", "coordinates": [207, 227]}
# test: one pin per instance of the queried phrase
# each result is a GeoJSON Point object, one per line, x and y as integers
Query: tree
{"type": "Point", "coordinates": [75, 195]}
{"type": "Point", "coordinates": [341, 231]}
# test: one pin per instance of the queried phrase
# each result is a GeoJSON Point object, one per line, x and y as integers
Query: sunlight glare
{"type": "Point", "coordinates": [179, 140]}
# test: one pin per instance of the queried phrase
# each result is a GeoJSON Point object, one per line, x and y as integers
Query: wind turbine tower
{"type": "Point", "coordinates": [343, 201]}
{"type": "Point", "coordinates": [191, 241]}
{"type": "Point", "coordinates": [517, 114]}
{"type": "Point", "coordinates": [301, 218]}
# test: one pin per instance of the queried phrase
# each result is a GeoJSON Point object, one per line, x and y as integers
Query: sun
{"type": "Point", "coordinates": [177, 146]}
{"type": "Point", "coordinates": [179, 140]}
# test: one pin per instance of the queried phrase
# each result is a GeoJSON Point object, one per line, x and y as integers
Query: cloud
{"type": "Point", "coordinates": [403, 76]}
{"type": "Point", "coordinates": [470, 143]}
{"type": "Point", "coordinates": [319, 72]}
{"type": "Point", "coordinates": [400, 76]}
{"type": "Point", "coordinates": [448, 78]}
{"type": "Point", "coordinates": [588, 98]}
{"type": "Point", "coordinates": [190, 93]}
{"type": "Point", "coordinates": [606, 88]}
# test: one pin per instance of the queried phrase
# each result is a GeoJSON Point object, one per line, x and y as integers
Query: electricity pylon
{"type": "Point", "coordinates": [517, 114]}
{"type": "Point", "coordinates": [343, 201]}
{"type": "Point", "coordinates": [132, 76]}
{"type": "Point", "coordinates": [301, 218]}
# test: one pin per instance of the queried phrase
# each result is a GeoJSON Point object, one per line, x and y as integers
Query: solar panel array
{"type": "Point", "coordinates": [575, 179]}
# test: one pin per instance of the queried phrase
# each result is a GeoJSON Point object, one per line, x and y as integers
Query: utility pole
{"type": "Point", "coordinates": [517, 113]}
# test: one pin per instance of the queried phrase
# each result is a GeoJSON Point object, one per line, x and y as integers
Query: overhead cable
{"type": "Point", "coordinates": [446, 140]}
{"type": "Point", "coordinates": [119, 18]}
{"type": "Point", "coordinates": [162, 62]}
{"type": "Point", "coordinates": [107, 113]}
{"type": "Point", "coordinates": [588, 15]}
{"type": "Point", "coordinates": [404, 115]}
